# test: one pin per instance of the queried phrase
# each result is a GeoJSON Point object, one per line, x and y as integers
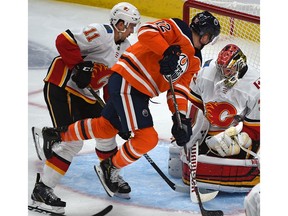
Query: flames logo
{"type": "Point", "coordinates": [100, 76]}
{"type": "Point", "coordinates": [220, 114]}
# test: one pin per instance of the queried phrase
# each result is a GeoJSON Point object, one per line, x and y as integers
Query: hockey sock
{"type": "Point", "coordinates": [143, 141]}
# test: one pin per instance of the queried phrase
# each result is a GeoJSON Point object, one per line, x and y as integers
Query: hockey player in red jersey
{"type": "Point", "coordinates": [86, 56]}
{"type": "Point", "coordinates": [224, 95]}
{"type": "Point", "coordinates": [166, 47]}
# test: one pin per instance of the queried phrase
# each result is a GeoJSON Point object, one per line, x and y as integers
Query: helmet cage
{"type": "Point", "coordinates": [230, 62]}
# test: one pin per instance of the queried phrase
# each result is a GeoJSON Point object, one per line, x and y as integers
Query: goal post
{"type": "Point", "coordinates": [240, 24]}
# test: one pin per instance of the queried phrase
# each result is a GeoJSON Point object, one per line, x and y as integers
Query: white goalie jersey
{"type": "Point", "coordinates": [237, 172]}
{"type": "Point", "coordinates": [222, 104]}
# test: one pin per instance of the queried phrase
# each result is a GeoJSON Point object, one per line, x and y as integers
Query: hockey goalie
{"type": "Point", "coordinates": [225, 120]}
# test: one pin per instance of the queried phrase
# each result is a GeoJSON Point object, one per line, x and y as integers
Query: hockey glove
{"type": "Point", "coordinates": [226, 145]}
{"type": "Point", "coordinates": [83, 73]}
{"type": "Point", "coordinates": [182, 136]}
{"type": "Point", "coordinates": [169, 62]}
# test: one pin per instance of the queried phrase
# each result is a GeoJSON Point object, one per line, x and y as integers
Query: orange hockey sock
{"type": "Point", "coordinates": [89, 129]}
{"type": "Point", "coordinates": [143, 141]}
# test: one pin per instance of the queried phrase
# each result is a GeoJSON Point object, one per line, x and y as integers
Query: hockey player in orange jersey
{"type": "Point", "coordinates": [167, 47]}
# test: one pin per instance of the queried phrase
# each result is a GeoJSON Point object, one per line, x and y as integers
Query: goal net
{"type": "Point", "coordinates": [240, 24]}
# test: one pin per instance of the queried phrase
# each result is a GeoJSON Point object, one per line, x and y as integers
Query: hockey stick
{"type": "Point", "coordinates": [204, 212]}
{"type": "Point", "coordinates": [173, 186]}
{"type": "Point", "coordinates": [178, 188]}
{"type": "Point", "coordinates": [103, 212]}
{"type": "Point", "coordinates": [194, 187]}
{"type": "Point", "coordinates": [99, 99]}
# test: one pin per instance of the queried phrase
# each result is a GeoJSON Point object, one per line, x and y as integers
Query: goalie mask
{"type": "Point", "coordinates": [126, 12]}
{"type": "Point", "coordinates": [205, 23]}
{"type": "Point", "coordinates": [232, 64]}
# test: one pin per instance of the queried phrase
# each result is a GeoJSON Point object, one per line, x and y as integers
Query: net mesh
{"type": "Point", "coordinates": [243, 33]}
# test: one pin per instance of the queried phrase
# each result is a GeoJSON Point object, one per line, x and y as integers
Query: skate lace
{"type": "Point", "coordinates": [50, 195]}
{"type": "Point", "coordinates": [121, 181]}
{"type": "Point", "coordinates": [114, 176]}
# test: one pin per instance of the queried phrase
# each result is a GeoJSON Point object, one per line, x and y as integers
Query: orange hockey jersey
{"type": "Point", "coordinates": [139, 64]}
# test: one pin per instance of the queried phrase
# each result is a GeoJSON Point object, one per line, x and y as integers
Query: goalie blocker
{"type": "Point", "coordinates": [213, 173]}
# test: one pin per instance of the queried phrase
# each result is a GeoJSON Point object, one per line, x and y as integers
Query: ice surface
{"type": "Point", "coordinates": [80, 187]}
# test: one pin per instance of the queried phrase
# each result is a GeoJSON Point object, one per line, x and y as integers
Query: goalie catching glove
{"type": "Point", "coordinates": [181, 135]}
{"type": "Point", "coordinates": [83, 74]}
{"type": "Point", "coordinates": [227, 143]}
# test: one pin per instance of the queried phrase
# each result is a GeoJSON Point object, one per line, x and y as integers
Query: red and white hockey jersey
{"type": "Point", "coordinates": [221, 104]}
{"type": "Point", "coordinates": [95, 43]}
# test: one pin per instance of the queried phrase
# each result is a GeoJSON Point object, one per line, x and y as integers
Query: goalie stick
{"type": "Point", "coordinates": [193, 184]}
{"type": "Point", "coordinates": [204, 212]}
{"type": "Point", "coordinates": [47, 212]}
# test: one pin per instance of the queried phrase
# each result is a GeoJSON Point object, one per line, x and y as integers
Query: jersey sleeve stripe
{"type": "Point", "coordinates": [69, 36]}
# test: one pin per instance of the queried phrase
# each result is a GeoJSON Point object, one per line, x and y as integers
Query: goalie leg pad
{"type": "Point", "coordinates": [174, 162]}
{"type": "Point", "coordinates": [223, 174]}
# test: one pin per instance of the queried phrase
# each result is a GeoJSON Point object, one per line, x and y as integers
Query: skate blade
{"type": "Point", "coordinates": [122, 195]}
{"type": "Point", "coordinates": [43, 206]}
{"type": "Point", "coordinates": [100, 175]}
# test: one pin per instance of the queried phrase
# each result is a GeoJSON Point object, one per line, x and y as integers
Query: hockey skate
{"type": "Point", "coordinates": [112, 182]}
{"type": "Point", "coordinates": [44, 198]}
{"type": "Point", "coordinates": [124, 188]}
{"type": "Point", "coordinates": [50, 137]}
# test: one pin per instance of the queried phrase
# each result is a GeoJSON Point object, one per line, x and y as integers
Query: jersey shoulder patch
{"type": "Point", "coordinates": [108, 29]}
{"type": "Point", "coordinates": [207, 63]}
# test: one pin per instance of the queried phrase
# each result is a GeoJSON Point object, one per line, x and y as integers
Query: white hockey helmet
{"type": "Point", "coordinates": [126, 12]}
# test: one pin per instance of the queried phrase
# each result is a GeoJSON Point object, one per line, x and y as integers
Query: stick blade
{"type": "Point", "coordinates": [205, 197]}
{"type": "Point", "coordinates": [104, 211]}
{"type": "Point", "coordinates": [37, 134]}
